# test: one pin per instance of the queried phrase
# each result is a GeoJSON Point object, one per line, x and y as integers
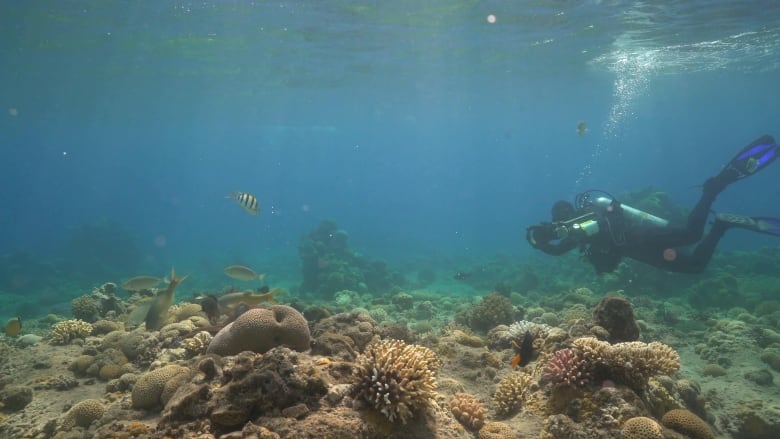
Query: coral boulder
{"type": "Point", "coordinates": [261, 329]}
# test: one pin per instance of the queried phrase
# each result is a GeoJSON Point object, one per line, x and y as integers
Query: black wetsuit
{"type": "Point", "coordinates": [653, 245]}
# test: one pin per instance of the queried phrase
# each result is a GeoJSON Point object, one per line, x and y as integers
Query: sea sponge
{"type": "Point", "coordinates": [149, 389]}
{"type": "Point", "coordinates": [261, 329]}
{"type": "Point", "coordinates": [468, 411]}
{"type": "Point", "coordinates": [396, 379]}
{"type": "Point", "coordinates": [84, 413]}
{"type": "Point", "coordinates": [66, 330]}
{"type": "Point", "coordinates": [685, 422]}
{"type": "Point", "coordinates": [641, 428]}
{"type": "Point", "coordinates": [511, 392]}
{"type": "Point", "coordinates": [496, 430]}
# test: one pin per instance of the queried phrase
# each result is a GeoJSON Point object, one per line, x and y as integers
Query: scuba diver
{"type": "Point", "coordinates": [606, 230]}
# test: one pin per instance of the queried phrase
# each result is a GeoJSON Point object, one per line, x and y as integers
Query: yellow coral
{"type": "Point", "coordinates": [511, 392]}
{"type": "Point", "coordinates": [67, 330]}
{"type": "Point", "coordinates": [641, 428]}
{"type": "Point", "coordinates": [496, 430]}
{"type": "Point", "coordinates": [197, 344]}
{"type": "Point", "coordinates": [685, 422]}
{"type": "Point", "coordinates": [468, 411]}
{"type": "Point", "coordinates": [397, 379]}
{"type": "Point", "coordinates": [84, 413]}
{"type": "Point", "coordinates": [149, 389]}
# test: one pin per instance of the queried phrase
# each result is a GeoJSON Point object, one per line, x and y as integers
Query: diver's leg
{"type": "Point", "coordinates": [697, 261]}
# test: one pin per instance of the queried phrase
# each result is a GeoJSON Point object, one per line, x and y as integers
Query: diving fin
{"type": "Point", "coordinates": [751, 159]}
{"type": "Point", "coordinates": [769, 226]}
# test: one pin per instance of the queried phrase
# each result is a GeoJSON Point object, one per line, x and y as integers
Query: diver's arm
{"type": "Point", "coordinates": [542, 236]}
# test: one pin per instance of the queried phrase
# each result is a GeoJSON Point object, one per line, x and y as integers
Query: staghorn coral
{"type": "Point", "coordinates": [687, 423]}
{"type": "Point", "coordinates": [67, 330]}
{"type": "Point", "coordinates": [511, 393]}
{"type": "Point", "coordinates": [630, 363]}
{"type": "Point", "coordinates": [84, 413]}
{"type": "Point", "coordinates": [566, 368]}
{"type": "Point", "coordinates": [468, 411]}
{"type": "Point", "coordinates": [261, 329]}
{"type": "Point", "coordinates": [641, 427]}
{"type": "Point", "coordinates": [198, 344]}
{"type": "Point", "coordinates": [396, 379]}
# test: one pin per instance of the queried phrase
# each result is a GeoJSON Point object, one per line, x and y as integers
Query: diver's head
{"type": "Point", "coordinates": [562, 210]}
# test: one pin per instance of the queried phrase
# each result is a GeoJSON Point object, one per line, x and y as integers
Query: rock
{"type": "Point", "coordinates": [16, 397]}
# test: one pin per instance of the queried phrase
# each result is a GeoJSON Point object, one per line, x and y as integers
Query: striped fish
{"type": "Point", "coordinates": [247, 201]}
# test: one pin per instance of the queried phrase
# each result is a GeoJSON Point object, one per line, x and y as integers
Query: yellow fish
{"type": "Point", "coordinates": [247, 201]}
{"type": "Point", "coordinates": [158, 311]}
{"type": "Point", "coordinates": [229, 302]}
{"type": "Point", "coordinates": [239, 272]}
{"type": "Point", "coordinates": [13, 327]}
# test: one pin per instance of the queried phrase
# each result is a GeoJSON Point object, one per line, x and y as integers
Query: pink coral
{"type": "Point", "coordinates": [567, 368]}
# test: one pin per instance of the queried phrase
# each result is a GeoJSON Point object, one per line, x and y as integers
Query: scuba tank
{"type": "Point", "coordinates": [636, 217]}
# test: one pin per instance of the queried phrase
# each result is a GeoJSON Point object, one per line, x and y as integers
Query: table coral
{"type": "Point", "coordinates": [397, 379]}
{"type": "Point", "coordinates": [261, 329]}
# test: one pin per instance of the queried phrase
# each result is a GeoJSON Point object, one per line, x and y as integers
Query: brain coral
{"type": "Point", "coordinates": [84, 413]}
{"type": "Point", "coordinates": [496, 430]}
{"type": "Point", "coordinates": [468, 411]}
{"type": "Point", "coordinates": [511, 392]}
{"type": "Point", "coordinates": [261, 329]}
{"type": "Point", "coordinates": [149, 389]}
{"type": "Point", "coordinates": [641, 428]}
{"type": "Point", "coordinates": [685, 422]}
{"type": "Point", "coordinates": [396, 379]}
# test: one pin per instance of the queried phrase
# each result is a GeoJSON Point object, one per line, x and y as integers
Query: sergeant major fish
{"type": "Point", "coordinates": [247, 201]}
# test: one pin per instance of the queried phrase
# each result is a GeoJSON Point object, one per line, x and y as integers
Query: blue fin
{"type": "Point", "coordinates": [751, 159]}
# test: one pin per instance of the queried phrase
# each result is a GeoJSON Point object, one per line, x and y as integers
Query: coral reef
{"type": "Point", "coordinates": [616, 315]}
{"type": "Point", "coordinates": [641, 427]}
{"type": "Point", "coordinates": [687, 423]}
{"type": "Point", "coordinates": [496, 430]}
{"type": "Point", "coordinates": [630, 363]}
{"type": "Point", "coordinates": [329, 265]}
{"type": "Point", "coordinates": [16, 397]}
{"type": "Point", "coordinates": [493, 310]}
{"type": "Point", "coordinates": [261, 329]}
{"type": "Point", "coordinates": [84, 413]}
{"type": "Point", "coordinates": [157, 387]}
{"type": "Point", "coordinates": [567, 367]}
{"type": "Point", "coordinates": [67, 330]}
{"type": "Point", "coordinates": [511, 392]}
{"type": "Point", "coordinates": [396, 379]}
{"type": "Point", "coordinates": [468, 410]}
{"type": "Point", "coordinates": [198, 344]}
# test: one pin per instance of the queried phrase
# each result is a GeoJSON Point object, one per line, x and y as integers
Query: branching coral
{"type": "Point", "coordinates": [631, 363]}
{"type": "Point", "coordinates": [468, 411]}
{"type": "Point", "coordinates": [520, 328]}
{"type": "Point", "coordinates": [511, 392]}
{"type": "Point", "coordinates": [396, 379]}
{"type": "Point", "coordinates": [567, 367]}
{"type": "Point", "coordinates": [65, 331]}
{"type": "Point", "coordinates": [197, 344]}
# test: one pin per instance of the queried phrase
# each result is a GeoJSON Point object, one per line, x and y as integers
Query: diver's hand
{"type": "Point", "coordinates": [540, 234]}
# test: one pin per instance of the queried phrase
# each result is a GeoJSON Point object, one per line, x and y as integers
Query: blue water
{"type": "Point", "coordinates": [421, 128]}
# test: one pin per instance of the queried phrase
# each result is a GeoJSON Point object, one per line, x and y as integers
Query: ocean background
{"type": "Point", "coordinates": [431, 135]}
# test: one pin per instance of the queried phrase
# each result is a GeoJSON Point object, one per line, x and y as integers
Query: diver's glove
{"type": "Point", "coordinates": [540, 234]}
